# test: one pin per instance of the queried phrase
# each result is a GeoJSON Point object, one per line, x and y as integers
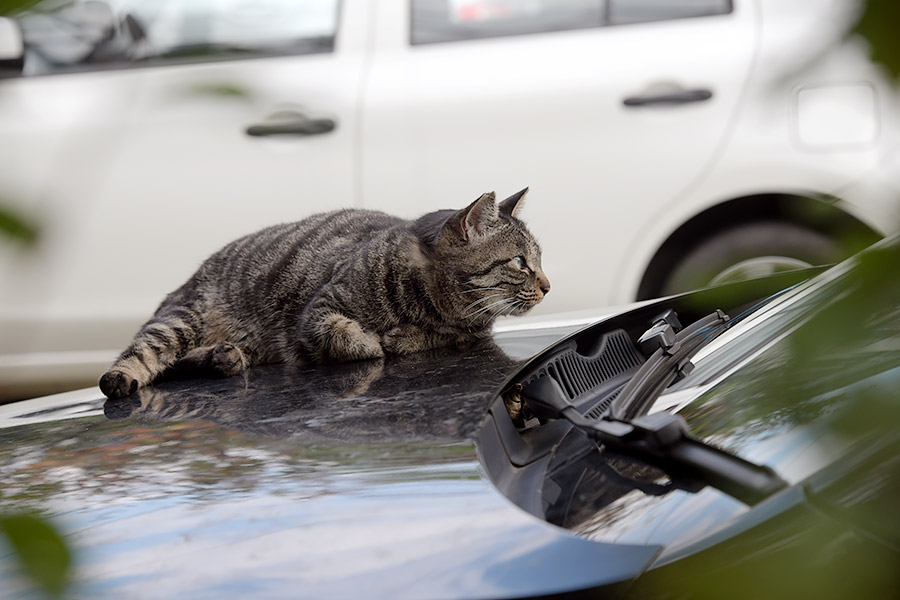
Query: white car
{"type": "Point", "coordinates": [666, 144]}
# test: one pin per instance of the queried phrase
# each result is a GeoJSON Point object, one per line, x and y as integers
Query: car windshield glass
{"type": "Point", "coordinates": [801, 358]}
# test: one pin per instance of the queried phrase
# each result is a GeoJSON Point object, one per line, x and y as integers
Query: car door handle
{"type": "Point", "coordinates": [295, 124]}
{"type": "Point", "coordinates": [670, 98]}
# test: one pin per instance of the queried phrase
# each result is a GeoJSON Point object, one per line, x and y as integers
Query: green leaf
{"type": "Point", "coordinates": [878, 24]}
{"type": "Point", "coordinates": [41, 550]}
{"type": "Point", "coordinates": [11, 7]}
{"type": "Point", "coordinates": [14, 226]}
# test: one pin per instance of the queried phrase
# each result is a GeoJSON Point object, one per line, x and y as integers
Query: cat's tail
{"type": "Point", "coordinates": [160, 343]}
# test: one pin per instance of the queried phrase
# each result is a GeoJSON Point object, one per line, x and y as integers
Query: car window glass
{"type": "Point", "coordinates": [451, 20]}
{"type": "Point", "coordinates": [638, 11]}
{"type": "Point", "coordinates": [454, 20]}
{"type": "Point", "coordinates": [67, 35]}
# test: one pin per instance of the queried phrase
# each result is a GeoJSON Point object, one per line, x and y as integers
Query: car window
{"type": "Point", "coordinates": [79, 34]}
{"type": "Point", "coordinates": [639, 11]}
{"type": "Point", "coordinates": [454, 20]}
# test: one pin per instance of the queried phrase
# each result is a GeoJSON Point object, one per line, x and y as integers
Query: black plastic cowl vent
{"type": "Point", "coordinates": [578, 374]}
{"type": "Point", "coordinates": [599, 409]}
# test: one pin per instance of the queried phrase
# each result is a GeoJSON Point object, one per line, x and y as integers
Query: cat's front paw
{"type": "Point", "coordinates": [404, 339]}
{"type": "Point", "coordinates": [117, 384]}
{"type": "Point", "coordinates": [345, 340]}
{"type": "Point", "coordinates": [227, 360]}
{"type": "Point", "coordinates": [360, 347]}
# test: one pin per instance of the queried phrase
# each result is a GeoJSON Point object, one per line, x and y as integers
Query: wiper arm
{"type": "Point", "coordinates": [662, 439]}
{"type": "Point", "coordinates": [670, 358]}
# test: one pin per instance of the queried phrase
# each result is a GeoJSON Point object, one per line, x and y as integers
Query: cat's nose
{"type": "Point", "coordinates": [543, 283]}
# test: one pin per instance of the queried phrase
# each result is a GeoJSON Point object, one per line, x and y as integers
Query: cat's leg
{"type": "Point", "coordinates": [343, 339]}
{"type": "Point", "coordinates": [221, 360]}
{"type": "Point", "coordinates": [160, 343]}
{"type": "Point", "coordinates": [408, 339]}
{"type": "Point", "coordinates": [330, 336]}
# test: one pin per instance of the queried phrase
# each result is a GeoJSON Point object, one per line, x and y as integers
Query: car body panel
{"type": "Point", "coordinates": [193, 510]}
{"type": "Point", "coordinates": [311, 483]}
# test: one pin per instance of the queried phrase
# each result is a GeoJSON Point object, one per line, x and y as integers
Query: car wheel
{"type": "Point", "coordinates": [750, 251]}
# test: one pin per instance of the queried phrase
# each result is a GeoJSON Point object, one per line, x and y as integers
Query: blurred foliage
{"type": "Point", "coordinates": [837, 368]}
{"type": "Point", "coordinates": [12, 225]}
{"type": "Point", "coordinates": [12, 7]}
{"type": "Point", "coordinates": [878, 24]}
{"type": "Point", "coordinates": [861, 315]}
{"type": "Point", "coordinates": [792, 556]}
{"type": "Point", "coordinates": [15, 227]}
{"type": "Point", "coordinates": [42, 552]}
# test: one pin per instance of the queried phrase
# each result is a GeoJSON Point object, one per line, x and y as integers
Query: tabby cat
{"type": "Point", "coordinates": [341, 286]}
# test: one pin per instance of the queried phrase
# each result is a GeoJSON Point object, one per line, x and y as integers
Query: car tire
{"type": "Point", "coordinates": [749, 251]}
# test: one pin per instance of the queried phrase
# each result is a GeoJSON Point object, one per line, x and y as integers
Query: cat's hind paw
{"type": "Point", "coordinates": [117, 384]}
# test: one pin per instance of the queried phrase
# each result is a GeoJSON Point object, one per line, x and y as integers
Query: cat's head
{"type": "Point", "coordinates": [487, 262]}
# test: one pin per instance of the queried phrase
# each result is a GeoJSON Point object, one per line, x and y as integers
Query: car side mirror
{"type": "Point", "coordinates": [12, 48]}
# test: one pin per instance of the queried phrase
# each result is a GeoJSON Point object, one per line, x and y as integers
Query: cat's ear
{"type": "Point", "coordinates": [513, 203]}
{"type": "Point", "coordinates": [475, 219]}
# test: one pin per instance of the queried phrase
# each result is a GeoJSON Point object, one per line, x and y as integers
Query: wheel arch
{"type": "Point", "coordinates": [819, 213]}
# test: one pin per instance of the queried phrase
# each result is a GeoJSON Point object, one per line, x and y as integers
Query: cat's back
{"type": "Point", "coordinates": [319, 234]}
{"type": "Point", "coordinates": [304, 253]}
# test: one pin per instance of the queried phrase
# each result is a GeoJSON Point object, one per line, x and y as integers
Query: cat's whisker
{"type": "Point", "coordinates": [503, 293]}
{"type": "Point", "coordinates": [509, 309]}
{"type": "Point", "coordinates": [481, 289]}
{"type": "Point", "coordinates": [504, 304]}
{"type": "Point", "coordinates": [516, 305]}
{"type": "Point", "coordinates": [487, 308]}
{"type": "Point", "coordinates": [512, 308]}
{"type": "Point", "coordinates": [480, 300]}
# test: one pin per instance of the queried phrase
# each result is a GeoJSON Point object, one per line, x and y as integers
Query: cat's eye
{"type": "Point", "coordinates": [519, 261]}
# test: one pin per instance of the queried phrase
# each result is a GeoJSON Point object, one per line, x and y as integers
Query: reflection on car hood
{"type": "Point", "coordinates": [341, 481]}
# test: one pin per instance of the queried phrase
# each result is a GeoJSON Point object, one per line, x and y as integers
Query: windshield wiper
{"type": "Point", "coordinates": [662, 439]}
{"type": "Point", "coordinates": [670, 352]}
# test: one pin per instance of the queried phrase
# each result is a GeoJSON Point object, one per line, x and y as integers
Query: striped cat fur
{"type": "Point", "coordinates": [341, 286]}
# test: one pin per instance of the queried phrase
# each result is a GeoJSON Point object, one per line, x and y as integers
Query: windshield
{"type": "Point", "coordinates": [799, 365]}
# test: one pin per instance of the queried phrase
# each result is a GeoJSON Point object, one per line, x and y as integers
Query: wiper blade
{"type": "Point", "coordinates": [662, 439]}
{"type": "Point", "coordinates": [670, 360]}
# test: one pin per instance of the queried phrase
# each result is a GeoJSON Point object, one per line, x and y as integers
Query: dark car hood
{"type": "Point", "coordinates": [344, 481]}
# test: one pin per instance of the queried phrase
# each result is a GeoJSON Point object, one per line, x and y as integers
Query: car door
{"type": "Point", "coordinates": [608, 109]}
{"type": "Point", "coordinates": [187, 124]}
